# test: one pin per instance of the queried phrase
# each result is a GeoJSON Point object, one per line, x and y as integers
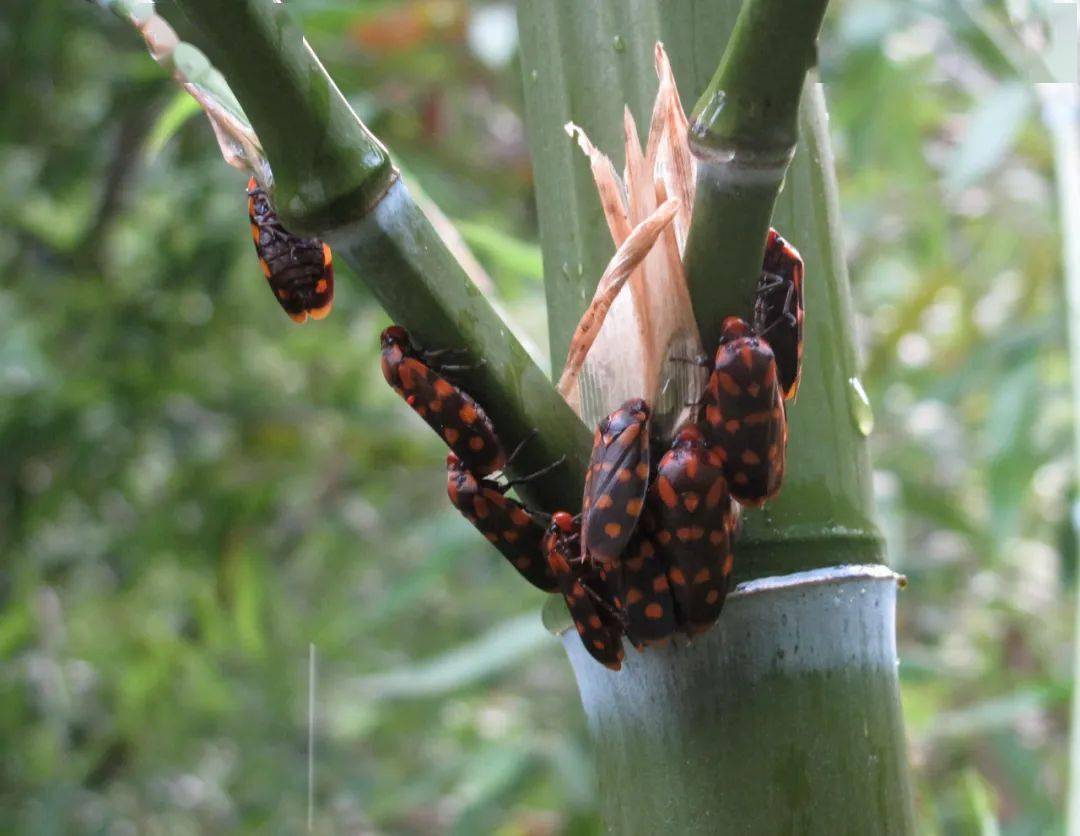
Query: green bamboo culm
{"type": "Point", "coordinates": [786, 716]}
{"type": "Point", "coordinates": [332, 177]}
{"type": "Point", "coordinates": [743, 132]}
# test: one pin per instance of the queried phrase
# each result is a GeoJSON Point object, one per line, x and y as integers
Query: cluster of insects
{"type": "Point", "coordinates": [651, 552]}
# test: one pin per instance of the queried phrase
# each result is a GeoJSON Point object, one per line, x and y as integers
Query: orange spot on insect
{"type": "Point", "coordinates": [660, 584]}
{"type": "Point", "coordinates": [691, 501]}
{"type": "Point", "coordinates": [714, 416]}
{"type": "Point", "coordinates": [327, 256]}
{"type": "Point", "coordinates": [654, 612]}
{"type": "Point", "coordinates": [663, 537]}
{"type": "Point", "coordinates": [510, 536]}
{"type": "Point", "coordinates": [750, 457]}
{"type": "Point", "coordinates": [666, 492]}
{"type": "Point", "coordinates": [580, 627]}
{"type": "Point", "coordinates": [728, 384]}
{"type": "Point", "coordinates": [519, 518]}
{"type": "Point", "coordinates": [676, 576]}
{"type": "Point", "coordinates": [323, 312]}
{"type": "Point", "coordinates": [712, 597]}
{"type": "Point", "coordinates": [604, 501]}
{"type": "Point", "coordinates": [300, 318]}
{"type": "Point", "coordinates": [754, 389]}
{"type": "Point", "coordinates": [729, 562]}
{"type": "Point", "coordinates": [492, 536]}
{"type": "Point", "coordinates": [255, 234]}
{"type": "Point", "coordinates": [741, 479]}
{"type": "Point", "coordinates": [265, 267]}
{"type": "Point", "coordinates": [716, 493]}
{"type": "Point", "coordinates": [642, 471]}
{"type": "Point", "coordinates": [451, 435]}
{"type": "Point", "coordinates": [613, 530]}
{"type": "Point", "coordinates": [692, 467]}
{"type": "Point", "coordinates": [683, 534]}
{"type": "Point", "coordinates": [717, 536]}
{"type": "Point", "coordinates": [646, 550]}
{"type": "Point", "coordinates": [624, 475]}
{"type": "Point", "coordinates": [703, 576]}
{"type": "Point", "coordinates": [633, 506]}
{"type": "Point", "coordinates": [599, 645]}
{"type": "Point", "coordinates": [468, 413]}
{"type": "Point", "coordinates": [594, 622]}
{"type": "Point", "coordinates": [443, 388]}
{"type": "Point", "coordinates": [732, 426]}
{"type": "Point", "coordinates": [633, 595]}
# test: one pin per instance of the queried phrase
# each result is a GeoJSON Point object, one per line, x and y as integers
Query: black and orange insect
{"type": "Point", "coordinates": [744, 413]}
{"type": "Point", "coordinates": [299, 270]}
{"type": "Point", "coordinates": [642, 593]}
{"type": "Point", "coordinates": [616, 482]}
{"type": "Point", "coordinates": [596, 622]}
{"type": "Point", "coordinates": [452, 413]}
{"type": "Point", "coordinates": [778, 309]}
{"type": "Point", "coordinates": [505, 522]}
{"type": "Point", "coordinates": [693, 521]}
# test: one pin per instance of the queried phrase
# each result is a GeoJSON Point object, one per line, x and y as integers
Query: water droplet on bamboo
{"type": "Point", "coordinates": [861, 411]}
{"type": "Point", "coordinates": [618, 43]}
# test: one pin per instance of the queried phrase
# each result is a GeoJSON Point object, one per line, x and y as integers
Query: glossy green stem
{"type": "Point", "coordinates": [743, 133]}
{"type": "Point", "coordinates": [334, 178]}
{"type": "Point", "coordinates": [327, 164]}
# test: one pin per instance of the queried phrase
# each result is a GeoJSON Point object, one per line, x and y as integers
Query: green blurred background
{"type": "Point", "coordinates": [193, 489]}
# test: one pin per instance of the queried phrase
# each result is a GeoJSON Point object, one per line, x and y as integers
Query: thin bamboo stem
{"type": "Point", "coordinates": [743, 133]}
{"type": "Point", "coordinates": [334, 178]}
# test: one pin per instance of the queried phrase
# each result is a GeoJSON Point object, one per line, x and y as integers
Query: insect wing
{"type": "Point", "coordinates": [616, 482]}
{"type": "Point", "coordinates": [694, 518]}
{"type": "Point", "coordinates": [643, 594]}
{"type": "Point", "coordinates": [744, 416]}
{"type": "Point", "coordinates": [779, 309]}
{"type": "Point", "coordinates": [300, 271]}
{"type": "Point", "coordinates": [504, 522]}
{"type": "Point", "coordinates": [598, 628]}
{"type": "Point", "coordinates": [447, 409]}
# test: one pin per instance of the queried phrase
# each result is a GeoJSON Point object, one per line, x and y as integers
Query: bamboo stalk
{"type": "Point", "coordinates": [743, 133]}
{"type": "Point", "coordinates": [764, 724]}
{"type": "Point", "coordinates": [334, 178]}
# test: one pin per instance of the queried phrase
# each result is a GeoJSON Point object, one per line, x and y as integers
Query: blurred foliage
{"type": "Point", "coordinates": [193, 489]}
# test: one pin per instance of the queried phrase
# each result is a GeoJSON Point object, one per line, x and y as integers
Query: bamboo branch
{"type": "Point", "coordinates": [743, 133]}
{"type": "Point", "coordinates": [334, 178]}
